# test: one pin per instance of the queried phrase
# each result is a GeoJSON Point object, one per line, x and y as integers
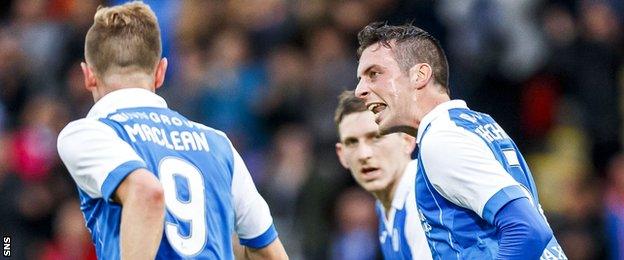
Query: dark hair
{"type": "Point", "coordinates": [412, 45]}
{"type": "Point", "coordinates": [348, 103]}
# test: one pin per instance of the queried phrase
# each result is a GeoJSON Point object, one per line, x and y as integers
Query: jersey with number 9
{"type": "Point", "coordinates": [209, 193]}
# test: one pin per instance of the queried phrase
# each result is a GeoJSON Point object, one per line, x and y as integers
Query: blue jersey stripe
{"type": "Point", "coordinates": [116, 176]}
{"type": "Point", "coordinates": [262, 240]}
{"type": "Point", "coordinates": [499, 200]}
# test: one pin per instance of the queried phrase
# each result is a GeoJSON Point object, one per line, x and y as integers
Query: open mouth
{"type": "Point", "coordinates": [369, 173]}
{"type": "Point", "coordinates": [376, 107]}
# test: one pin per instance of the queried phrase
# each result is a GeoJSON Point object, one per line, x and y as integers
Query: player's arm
{"type": "Point", "coordinates": [105, 167]}
{"type": "Point", "coordinates": [142, 215]}
{"type": "Point", "coordinates": [275, 250]}
{"type": "Point", "coordinates": [254, 224]}
{"type": "Point", "coordinates": [239, 251]}
{"type": "Point", "coordinates": [523, 231]}
{"type": "Point", "coordinates": [472, 178]}
{"type": "Point", "coordinates": [272, 251]}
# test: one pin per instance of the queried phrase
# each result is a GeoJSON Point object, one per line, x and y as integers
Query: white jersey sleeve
{"type": "Point", "coordinates": [97, 159]}
{"type": "Point", "coordinates": [254, 224]}
{"type": "Point", "coordinates": [462, 168]}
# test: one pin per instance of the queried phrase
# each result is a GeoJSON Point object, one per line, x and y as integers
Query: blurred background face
{"type": "Point", "coordinates": [384, 88]}
{"type": "Point", "coordinates": [375, 161]}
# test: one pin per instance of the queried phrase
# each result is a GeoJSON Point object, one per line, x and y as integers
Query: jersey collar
{"type": "Point", "coordinates": [125, 98]}
{"type": "Point", "coordinates": [437, 111]}
{"type": "Point", "coordinates": [406, 184]}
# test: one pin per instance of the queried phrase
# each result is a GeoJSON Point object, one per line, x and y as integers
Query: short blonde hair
{"type": "Point", "coordinates": [123, 38]}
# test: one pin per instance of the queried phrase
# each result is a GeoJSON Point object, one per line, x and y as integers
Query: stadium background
{"type": "Point", "coordinates": [267, 72]}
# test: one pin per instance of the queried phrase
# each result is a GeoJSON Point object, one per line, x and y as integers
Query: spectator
{"type": "Point", "coordinates": [356, 237]}
{"type": "Point", "coordinates": [615, 208]}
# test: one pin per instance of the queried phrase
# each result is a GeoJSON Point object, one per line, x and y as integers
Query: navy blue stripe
{"type": "Point", "coordinates": [116, 176]}
{"type": "Point", "coordinates": [262, 240]}
{"type": "Point", "coordinates": [502, 197]}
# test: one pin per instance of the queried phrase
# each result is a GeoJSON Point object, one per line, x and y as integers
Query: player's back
{"type": "Point", "coordinates": [194, 163]}
{"type": "Point", "coordinates": [208, 190]}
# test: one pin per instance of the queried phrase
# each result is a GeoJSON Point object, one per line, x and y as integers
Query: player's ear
{"type": "Point", "coordinates": [90, 80]}
{"type": "Point", "coordinates": [420, 74]}
{"type": "Point", "coordinates": [410, 143]}
{"type": "Point", "coordinates": [159, 74]}
{"type": "Point", "coordinates": [341, 156]}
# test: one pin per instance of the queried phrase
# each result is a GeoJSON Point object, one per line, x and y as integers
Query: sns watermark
{"type": "Point", "coordinates": [6, 246]}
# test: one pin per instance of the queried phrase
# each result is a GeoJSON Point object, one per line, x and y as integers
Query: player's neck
{"type": "Point", "coordinates": [117, 82]}
{"type": "Point", "coordinates": [386, 196]}
{"type": "Point", "coordinates": [129, 80]}
{"type": "Point", "coordinates": [428, 103]}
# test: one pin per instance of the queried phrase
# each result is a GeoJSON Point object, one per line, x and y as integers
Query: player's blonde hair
{"type": "Point", "coordinates": [123, 39]}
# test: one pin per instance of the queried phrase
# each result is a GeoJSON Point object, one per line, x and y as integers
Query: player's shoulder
{"type": "Point", "coordinates": [83, 125]}
{"type": "Point", "coordinates": [219, 138]}
{"type": "Point", "coordinates": [191, 123]}
{"type": "Point", "coordinates": [214, 131]}
{"type": "Point", "coordinates": [466, 118]}
{"type": "Point", "coordinates": [455, 132]}
{"type": "Point", "coordinates": [458, 121]}
{"type": "Point", "coordinates": [454, 122]}
{"type": "Point", "coordinates": [83, 134]}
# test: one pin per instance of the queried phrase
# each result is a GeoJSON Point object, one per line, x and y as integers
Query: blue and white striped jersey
{"type": "Point", "coordinates": [469, 168]}
{"type": "Point", "coordinates": [209, 193]}
{"type": "Point", "coordinates": [400, 234]}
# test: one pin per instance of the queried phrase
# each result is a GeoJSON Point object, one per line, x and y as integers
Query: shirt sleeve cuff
{"type": "Point", "coordinates": [500, 198]}
{"type": "Point", "coordinates": [262, 240]}
{"type": "Point", "coordinates": [116, 176]}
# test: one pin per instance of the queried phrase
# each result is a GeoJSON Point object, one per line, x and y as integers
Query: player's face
{"type": "Point", "coordinates": [385, 89]}
{"type": "Point", "coordinates": [373, 159]}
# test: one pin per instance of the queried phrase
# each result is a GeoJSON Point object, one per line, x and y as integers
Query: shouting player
{"type": "Point", "coordinates": [474, 189]}
{"type": "Point", "coordinates": [152, 183]}
{"type": "Point", "coordinates": [382, 165]}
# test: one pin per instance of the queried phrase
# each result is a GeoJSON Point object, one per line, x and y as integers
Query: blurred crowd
{"type": "Point", "coordinates": [267, 72]}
